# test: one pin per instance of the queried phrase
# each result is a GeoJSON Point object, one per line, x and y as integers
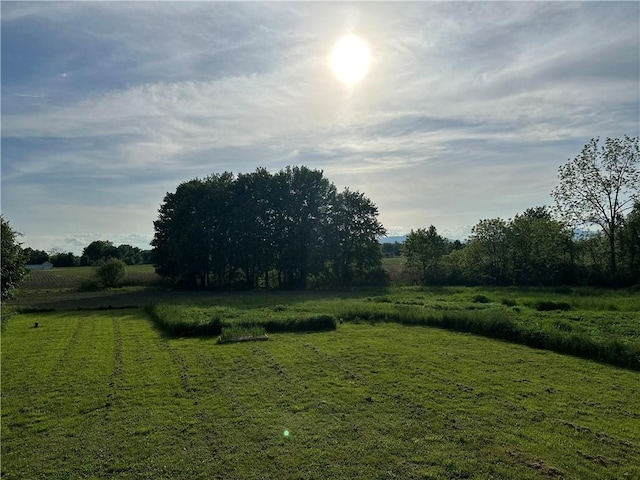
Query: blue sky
{"type": "Point", "coordinates": [466, 113]}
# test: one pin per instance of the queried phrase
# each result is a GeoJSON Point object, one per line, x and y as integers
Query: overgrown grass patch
{"type": "Point", "coordinates": [237, 333]}
{"type": "Point", "coordinates": [180, 320]}
{"type": "Point", "coordinates": [603, 335]}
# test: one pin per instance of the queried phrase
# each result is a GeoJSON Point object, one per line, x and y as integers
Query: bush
{"type": "Point", "coordinates": [111, 272]}
{"type": "Point", "coordinates": [481, 299]}
{"type": "Point", "coordinates": [549, 305]}
{"type": "Point", "coordinates": [239, 333]}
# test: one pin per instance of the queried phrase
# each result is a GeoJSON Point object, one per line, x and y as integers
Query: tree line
{"type": "Point", "coordinates": [293, 228]}
{"type": "Point", "coordinates": [97, 252]}
{"type": "Point", "coordinates": [592, 236]}
{"type": "Point", "coordinates": [266, 230]}
{"type": "Point", "coordinates": [533, 248]}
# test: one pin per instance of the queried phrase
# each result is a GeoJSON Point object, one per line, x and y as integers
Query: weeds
{"type": "Point", "coordinates": [549, 306]}
{"type": "Point", "coordinates": [241, 333]}
{"type": "Point", "coordinates": [196, 321]}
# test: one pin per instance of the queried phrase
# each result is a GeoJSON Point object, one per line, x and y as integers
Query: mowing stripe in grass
{"type": "Point", "coordinates": [363, 401]}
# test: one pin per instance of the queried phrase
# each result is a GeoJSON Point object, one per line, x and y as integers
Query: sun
{"type": "Point", "coordinates": [350, 59]}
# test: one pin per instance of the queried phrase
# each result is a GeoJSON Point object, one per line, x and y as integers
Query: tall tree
{"type": "Point", "coordinates": [488, 251]}
{"type": "Point", "coordinates": [99, 250]}
{"type": "Point", "coordinates": [630, 245]}
{"type": "Point", "coordinates": [284, 228]}
{"type": "Point", "coordinates": [35, 257]}
{"type": "Point", "coordinates": [305, 198]}
{"type": "Point", "coordinates": [353, 236]}
{"type": "Point", "coordinates": [12, 260]}
{"type": "Point", "coordinates": [539, 247]}
{"type": "Point", "coordinates": [599, 186]}
{"type": "Point", "coordinates": [424, 249]}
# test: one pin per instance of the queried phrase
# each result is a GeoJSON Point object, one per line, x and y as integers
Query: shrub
{"type": "Point", "coordinates": [509, 302]}
{"type": "Point", "coordinates": [481, 299]}
{"type": "Point", "coordinates": [178, 321]}
{"type": "Point", "coordinates": [238, 333]}
{"type": "Point", "coordinates": [549, 305]}
{"type": "Point", "coordinates": [111, 272]}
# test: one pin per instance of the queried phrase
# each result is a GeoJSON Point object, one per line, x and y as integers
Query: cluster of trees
{"type": "Point", "coordinates": [266, 230]}
{"type": "Point", "coordinates": [533, 248]}
{"type": "Point", "coordinates": [599, 188]}
{"type": "Point", "coordinates": [281, 230]}
{"type": "Point", "coordinates": [95, 253]}
{"type": "Point", "coordinates": [100, 251]}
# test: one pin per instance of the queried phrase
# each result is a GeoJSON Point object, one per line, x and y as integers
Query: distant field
{"type": "Point", "coordinates": [70, 277]}
{"type": "Point", "coordinates": [104, 395]}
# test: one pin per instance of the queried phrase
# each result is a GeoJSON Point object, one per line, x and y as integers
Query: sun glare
{"type": "Point", "coordinates": [350, 59]}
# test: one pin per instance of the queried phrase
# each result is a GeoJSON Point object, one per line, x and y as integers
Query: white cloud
{"type": "Point", "coordinates": [466, 113]}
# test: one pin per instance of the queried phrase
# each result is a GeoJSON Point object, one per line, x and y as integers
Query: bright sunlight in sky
{"type": "Point", "coordinates": [350, 59]}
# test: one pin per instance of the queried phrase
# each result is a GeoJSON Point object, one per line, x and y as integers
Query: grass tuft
{"type": "Point", "coordinates": [242, 333]}
{"type": "Point", "coordinates": [549, 306]}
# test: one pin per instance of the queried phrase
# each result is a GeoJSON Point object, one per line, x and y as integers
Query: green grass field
{"type": "Point", "coordinates": [103, 394]}
{"type": "Point", "coordinates": [61, 278]}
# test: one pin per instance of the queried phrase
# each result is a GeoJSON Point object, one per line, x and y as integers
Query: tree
{"type": "Point", "coordinates": [64, 259]}
{"type": "Point", "coordinates": [284, 228]}
{"type": "Point", "coordinates": [539, 247]}
{"type": "Point", "coordinates": [111, 272]}
{"type": "Point", "coordinates": [488, 252]}
{"type": "Point", "coordinates": [391, 249]}
{"type": "Point", "coordinates": [303, 207]}
{"type": "Point", "coordinates": [353, 236]}
{"type": "Point", "coordinates": [599, 186]}
{"type": "Point", "coordinates": [12, 260]}
{"type": "Point", "coordinates": [128, 254]}
{"type": "Point", "coordinates": [630, 245]}
{"type": "Point", "coordinates": [35, 257]}
{"type": "Point", "coordinates": [99, 250]}
{"type": "Point", "coordinates": [424, 249]}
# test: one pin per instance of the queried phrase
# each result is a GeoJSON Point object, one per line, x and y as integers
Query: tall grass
{"type": "Point", "coordinates": [500, 323]}
{"type": "Point", "coordinates": [561, 322]}
{"type": "Point", "coordinates": [235, 333]}
{"type": "Point", "coordinates": [190, 321]}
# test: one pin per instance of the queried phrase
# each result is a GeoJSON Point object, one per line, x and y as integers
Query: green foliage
{"type": "Point", "coordinates": [424, 249]}
{"type": "Point", "coordinates": [487, 252]}
{"type": "Point", "coordinates": [189, 321]}
{"type": "Point", "coordinates": [111, 272]}
{"type": "Point", "coordinates": [35, 257]}
{"type": "Point", "coordinates": [186, 321]}
{"type": "Point", "coordinates": [549, 305]}
{"type": "Point", "coordinates": [599, 186]}
{"type": "Point", "coordinates": [12, 260]}
{"type": "Point", "coordinates": [597, 325]}
{"type": "Point", "coordinates": [89, 284]}
{"type": "Point", "coordinates": [99, 251]}
{"type": "Point", "coordinates": [481, 299]}
{"type": "Point", "coordinates": [263, 230]}
{"type": "Point", "coordinates": [235, 333]}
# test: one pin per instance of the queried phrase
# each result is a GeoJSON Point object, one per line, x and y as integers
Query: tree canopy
{"type": "Point", "coordinates": [599, 186]}
{"type": "Point", "coordinates": [12, 260]}
{"type": "Point", "coordinates": [266, 230]}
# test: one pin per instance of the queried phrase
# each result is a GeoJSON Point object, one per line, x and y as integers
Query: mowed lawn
{"type": "Point", "coordinates": [102, 394]}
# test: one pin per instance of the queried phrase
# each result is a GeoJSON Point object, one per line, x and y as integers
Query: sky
{"type": "Point", "coordinates": [466, 112]}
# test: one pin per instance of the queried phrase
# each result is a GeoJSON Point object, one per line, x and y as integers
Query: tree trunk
{"type": "Point", "coordinates": [612, 253]}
